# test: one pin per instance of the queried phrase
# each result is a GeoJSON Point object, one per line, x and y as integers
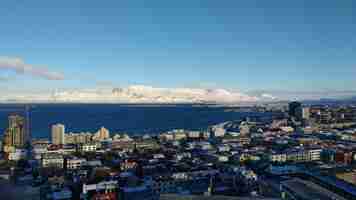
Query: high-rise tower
{"type": "Point", "coordinates": [18, 130]}
{"type": "Point", "coordinates": [15, 134]}
{"type": "Point", "coordinates": [58, 131]}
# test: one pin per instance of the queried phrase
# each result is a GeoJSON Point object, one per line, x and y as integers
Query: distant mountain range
{"type": "Point", "coordinates": [143, 94]}
{"type": "Point", "coordinates": [154, 95]}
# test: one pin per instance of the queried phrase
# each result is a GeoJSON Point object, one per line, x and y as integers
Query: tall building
{"type": "Point", "coordinates": [15, 134]}
{"type": "Point", "coordinates": [293, 108]}
{"type": "Point", "coordinates": [7, 142]}
{"type": "Point", "coordinates": [304, 113]}
{"type": "Point", "coordinates": [102, 134]}
{"type": "Point", "coordinates": [58, 131]}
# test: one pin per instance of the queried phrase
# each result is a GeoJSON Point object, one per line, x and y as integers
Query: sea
{"type": "Point", "coordinates": [132, 119]}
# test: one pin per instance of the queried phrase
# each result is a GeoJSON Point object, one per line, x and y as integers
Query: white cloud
{"type": "Point", "coordinates": [20, 67]}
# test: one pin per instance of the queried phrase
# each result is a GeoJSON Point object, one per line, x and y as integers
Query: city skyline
{"type": "Point", "coordinates": [158, 100]}
{"type": "Point", "coordinates": [285, 50]}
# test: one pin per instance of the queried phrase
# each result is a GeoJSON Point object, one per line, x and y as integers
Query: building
{"type": "Point", "coordinates": [181, 156]}
{"type": "Point", "coordinates": [52, 160]}
{"type": "Point", "coordinates": [104, 190]}
{"type": "Point", "coordinates": [278, 157]}
{"type": "Point", "coordinates": [194, 134]}
{"type": "Point", "coordinates": [244, 128]}
{"type": "Point", "coordinates": [78, 138]}
{"type": "Point", "coordinates": [18, 154]}
{"type": "Point", "coordinates": [293, 108]}
{"type": "Point", "coordinates": [166, 137]}
{"type": "Point", "coordinates": [303, 113]}
{"type": "Point", "coordinates": [315, 154]}
{"type": "Point", "coordinates": [322, 115]}
{"type": "Point", "coordinates": [58, 131]}
{"type": "Point", "coordinates": [15, 135]}
{"type": "Point", "coordinates": [179, 135]}
{"type": "Point", "coordinates": [74, 163]}
{"type": "Point", "coordinates": [38, 150]}
{"type": "Point", "coordinates": [17, 125]}
{"type": "Point", "coordinates": [102, 134]}
{"type": "Point", "coordinates": [298, 189]}
{"type": "Point", "coordinates": [223, 148]}
{"type": "Point", "coordinates": [90, 147]}
{"type": "Point", "coordinates": [298, 155]}
{"type": "Point", "coordinates": [218, 131]}
{"type": "Point", "coordinates": [144, 191]}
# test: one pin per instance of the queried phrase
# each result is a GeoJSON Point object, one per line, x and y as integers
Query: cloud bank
{"type": "Point", "coordinates": [20, 67]}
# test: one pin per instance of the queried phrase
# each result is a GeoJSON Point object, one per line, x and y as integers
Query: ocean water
{"type": "Point", "coordinates": [119, 118]}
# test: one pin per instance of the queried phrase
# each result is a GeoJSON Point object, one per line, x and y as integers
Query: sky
{"type": "Point", "coordinates": [255, 45]}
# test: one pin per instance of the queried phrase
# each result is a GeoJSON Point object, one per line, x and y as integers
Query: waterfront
{"type": "Point", "coordinates": [131, 119]}
{"type": "Point", "coordinates": [298, 156]}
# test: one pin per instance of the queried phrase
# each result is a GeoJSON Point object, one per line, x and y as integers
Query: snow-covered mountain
{"type": "Point", "coordinates": [140, 94]}
{"type": "Point", "coordinates": [148, 94]}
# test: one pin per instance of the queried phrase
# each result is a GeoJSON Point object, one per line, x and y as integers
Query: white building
{"type": "Point", "coordinates": [166, 137]}
{"type": "Point", "coordinates": [244, 128]}
{"type": "Point", "coordinates": [159, 156]}
{"type": "Point", "coordinates": [315, 154]}
{"type": "Point", "coordinates": [223, 158]}
{"type": "Point", "coordinates": [58, 131]}
{"type": "Point", "coordinates": [38, 150]}
{"type": "Point", "coordinates": [223, 148]}
{"type": "Point", "coordinates": [218, 131]}
{"type": "Point", "coordinates": [105, 186]}
{"type": "Point", "coordinates": [18, 154]}
{"type": "Point", "coordinates": [74, 163]}
{"type": "Point", "coordinates": [52, 160]}
{"type": "Point", "coordinates": [180, 156]}
{"type": "Point", "coordinates": [91, 147]}
{"type": "Point", "coordinates": [278, 157]}
{"type": "Point", "coordinates": [194, 134]}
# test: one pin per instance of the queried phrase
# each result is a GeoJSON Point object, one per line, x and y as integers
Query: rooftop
{"type": "Point", "coordinates": [309, 190]}
{"type": "Point", "coordinates": [191, 197]}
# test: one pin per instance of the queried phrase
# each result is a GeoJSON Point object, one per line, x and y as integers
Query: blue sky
{"type": "Point", "coordinates": [243, 45]}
